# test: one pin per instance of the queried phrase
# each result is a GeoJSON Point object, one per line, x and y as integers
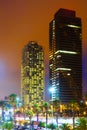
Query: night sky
{"type": "Point", "coordinates": [28, 20]}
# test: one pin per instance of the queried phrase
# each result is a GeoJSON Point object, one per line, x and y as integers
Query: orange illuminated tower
{"type": "Point", "coordinates": [32, 74]}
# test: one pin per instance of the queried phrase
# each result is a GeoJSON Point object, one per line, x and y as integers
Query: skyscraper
{"type": "Point", "coordinates": [65, 56]}
{"type": "Point", "coordinates": [32, 74]}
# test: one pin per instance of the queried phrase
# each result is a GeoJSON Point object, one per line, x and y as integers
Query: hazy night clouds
{"type": "Point", "coordinates": [25, 20]}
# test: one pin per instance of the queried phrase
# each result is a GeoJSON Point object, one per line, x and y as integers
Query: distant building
{"type": "Point", "coordinates": [32, 74]}
{"type": "Point", "coordinates": [65, 54]}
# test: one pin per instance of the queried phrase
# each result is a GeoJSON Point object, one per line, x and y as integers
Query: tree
{"type": "Point", "coordinates": [12, 99]}
{"type": "Point", "coordinates": [85, 96]}
{"type": "Point", "coordinates": [30, 114]}
{"type": "Point", "coordinates": [37, 110]}
{"type": "Point", "coordinates": [81, 124]}
{"type": "Point", "coordinates": [64, 127]}
{"type": "Point", "coordinates": [52, 126]}
{"type": "Point", "coordinates": [74, 107]}
{"type": "Point", "coordinates": [46, 106]}
{"type": "Point", "coordinates": [8, 125]}
{"type": "Point", "coordinates": [56, 104]}
{"type": "Point", "coordinates": [85, 102]}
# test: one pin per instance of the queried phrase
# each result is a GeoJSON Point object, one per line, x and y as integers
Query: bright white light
{"type": "Point", "coordinates": [61, 120]}
{"type": "Point", "coordinates": [51, 64]}
{"type": "Point", "coordinates": [52, 89]}
{"type": "Point", "coordinates": [19, 118]}
{"type": "Point", "coordinates": [17, 98]}
{"type": "Point", "coordinates": [73, 26]}
{"type": "Point", "coordinates": [64, 51]}
{"type": "Point", "coordinates": [0, 111]}
{"type": "Point", "coordinates": [68, 74]}
{"type": "Point", "coordinates": [68, 69]}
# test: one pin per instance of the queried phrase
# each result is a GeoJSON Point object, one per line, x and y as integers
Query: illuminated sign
{"type": "Point", "coordinates": [67, 52]}
{"type": "Point", "coordinates": [73, 26]}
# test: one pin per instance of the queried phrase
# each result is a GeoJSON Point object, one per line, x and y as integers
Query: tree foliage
{"type": "Point", "coordinates": [81, 124]}
{"type": "Point", "coordinates": [64, 127]}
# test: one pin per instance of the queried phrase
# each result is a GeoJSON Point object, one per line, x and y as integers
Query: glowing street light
{"type": "Point", "coordinates": [52, 90]}
{"type": "Point", "coordinates": [17, 99]}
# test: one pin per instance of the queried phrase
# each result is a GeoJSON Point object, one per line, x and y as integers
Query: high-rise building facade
{"type": "Point", "coordinates": [32, 74]}
{"type": "Point", "coordinates": [65, 56]}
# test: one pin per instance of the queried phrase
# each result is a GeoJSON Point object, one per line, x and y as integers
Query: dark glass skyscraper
{"type": "Point", "coordinates": [65, 46]}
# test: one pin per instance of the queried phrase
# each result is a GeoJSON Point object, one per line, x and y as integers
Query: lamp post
{"type": "Point", "coordinates": [17, 100]}
{"type": "Point", "coordinates": [52, 91]}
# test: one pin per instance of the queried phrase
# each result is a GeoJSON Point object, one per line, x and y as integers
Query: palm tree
{"type": "Point", "coordinates": [37, 110]}
{"type": "Point", "coordinates": [52, 126]}
{"type": "Point", "coordinates": [46, 106]}
{"type": "Point", "coordinates": [64, 127]}
{"type": "Point", "coordinates": [85, 96]}
{"type": "Point", "coordinates": [56, 104]}
{"type": "Point", "coordinates": [81, 106]}
{"type": "Point", "coordinates": [74, 107]}
{"type": "Point", "coordinates": [12, 99]}
{"type": "Point", "coordinates": [81, 124]}
{"type": "Point", "coordinates": [8, 125]}
{"type": "Point", "coordinates": [30, 114]}
{"type": "Point", "coordinates": [85, 101]}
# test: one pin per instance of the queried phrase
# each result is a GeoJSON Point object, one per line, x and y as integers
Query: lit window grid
{"type": "Point", "coordinates": [34, 77]}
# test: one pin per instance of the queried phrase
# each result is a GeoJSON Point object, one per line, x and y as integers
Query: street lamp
{"type": "Point", "coordinates": [17, 100]}
{"type": "Point", "coordinates": [52, 90]}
